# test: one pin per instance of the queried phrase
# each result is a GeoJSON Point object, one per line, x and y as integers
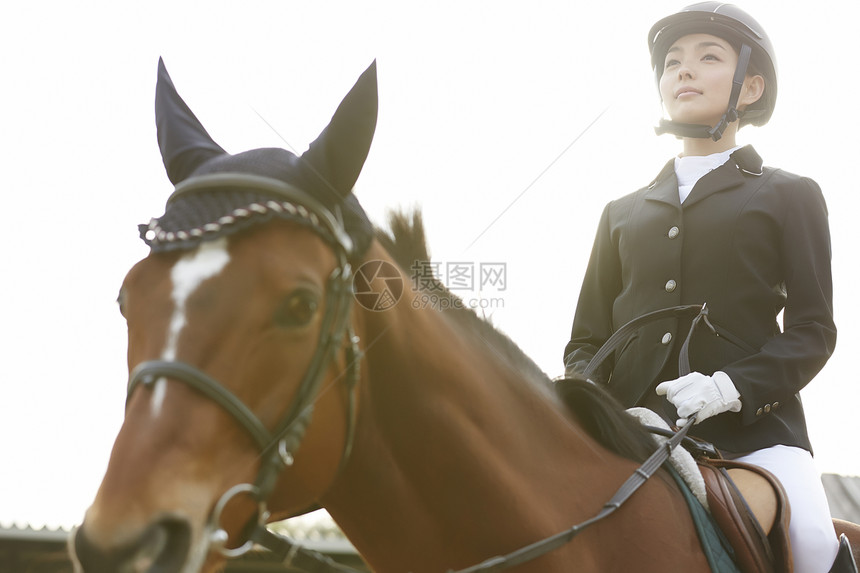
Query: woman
{"type": "Point", "coordinates": [717, 227]}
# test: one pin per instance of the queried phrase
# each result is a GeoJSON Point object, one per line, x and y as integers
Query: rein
{"type": "Point", "coordinates": [642, 473]}
{"type": "Point", "coordinates": [278, 446]}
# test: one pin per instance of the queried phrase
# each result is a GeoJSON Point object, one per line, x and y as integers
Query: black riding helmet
{"type": "Point", "coordinates": [755, 54]}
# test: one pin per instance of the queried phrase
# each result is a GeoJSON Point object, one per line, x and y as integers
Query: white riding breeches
{"type": "Point", "coordinates": [813, 540]}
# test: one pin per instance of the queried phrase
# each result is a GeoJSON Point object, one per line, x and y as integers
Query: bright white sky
{"type": "Point", "coordinates": [477, 100]}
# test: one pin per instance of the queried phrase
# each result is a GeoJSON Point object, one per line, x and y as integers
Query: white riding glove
{"type": "Point", "coordinates": [703, 395]}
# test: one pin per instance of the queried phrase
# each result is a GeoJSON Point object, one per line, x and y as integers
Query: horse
{"type": "Point", "coordinates": [282, 357]}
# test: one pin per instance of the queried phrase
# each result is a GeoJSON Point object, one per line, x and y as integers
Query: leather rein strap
{"type": "Point", "coordinates": [620, 336]}
{"type": "Point", "coordinates": [643, 473]}
{"type": "Point", "coordinates": [295, 557]}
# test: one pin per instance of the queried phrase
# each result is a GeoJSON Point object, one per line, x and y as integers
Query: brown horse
{"type": "Point", "coordinates": [434, 442]}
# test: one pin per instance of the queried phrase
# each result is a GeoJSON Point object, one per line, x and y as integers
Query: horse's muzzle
{"type": "Point", "coordinates": [162, 547]}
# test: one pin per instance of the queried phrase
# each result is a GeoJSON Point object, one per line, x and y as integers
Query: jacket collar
{"type": "Point", "coordinates": [743, 163]}
{"type": "Point", "coordinates": [748, 161]}
{"type": "Point", "coordinates": [664, 188]}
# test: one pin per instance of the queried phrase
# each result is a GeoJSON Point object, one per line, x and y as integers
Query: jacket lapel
{"type": "Point", "coordinates": [743, 163]}
{"type": "Point", "coordinates": [665, 187]}
{"type": "Point", "coordinates": [723, 178]}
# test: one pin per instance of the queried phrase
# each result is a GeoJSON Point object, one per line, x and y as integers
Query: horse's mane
{"type": "Point", "coordinates": [605, 419]}
{"type": "Point", "coordinates": [598, 413]}
{"type": "Point", "coordinates": [406, 243]}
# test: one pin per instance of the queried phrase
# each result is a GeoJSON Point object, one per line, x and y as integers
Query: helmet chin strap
{"type": "Point", "coordinates": [697, 131]}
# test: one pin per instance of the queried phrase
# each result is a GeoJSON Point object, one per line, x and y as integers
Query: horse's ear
{"type": "Point", "coordinates": [183, 141]}
{"type": "Point", "coordinates": [338, 154]}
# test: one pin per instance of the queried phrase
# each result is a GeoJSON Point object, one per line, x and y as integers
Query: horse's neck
{"type": "Point", "coordinates": [452, 438]}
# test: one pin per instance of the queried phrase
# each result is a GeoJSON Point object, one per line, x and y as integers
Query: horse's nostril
{"type": "Point", "coordinates": [162, 548]}
{"type": "Point", "coordinates": [93, 557]}
{"type": "Point", "coordinates": [172, 538]}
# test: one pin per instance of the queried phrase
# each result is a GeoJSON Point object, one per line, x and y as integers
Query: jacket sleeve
{"type": "Point", "coordinates": [789, 360]}
{"type": "Point", "coordinates": [592, 323]}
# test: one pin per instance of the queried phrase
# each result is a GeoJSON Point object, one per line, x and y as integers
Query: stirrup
{"type": "Point", "coordinates": [844, 562]}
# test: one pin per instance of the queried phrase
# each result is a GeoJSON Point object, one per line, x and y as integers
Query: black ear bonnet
{"type": "Point", "coordinates": [324, 175]}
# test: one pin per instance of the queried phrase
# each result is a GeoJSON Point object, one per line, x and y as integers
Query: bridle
{"type": "Point", "coordinates": [278, 445]}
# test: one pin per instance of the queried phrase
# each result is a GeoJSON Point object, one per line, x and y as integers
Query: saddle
{"type": "Point", "coordinates": [751, 508]}
{"type": "Point", "coordinates": [746, 502]}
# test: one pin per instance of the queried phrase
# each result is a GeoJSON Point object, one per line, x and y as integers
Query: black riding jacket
{"type": "Point", "coordinates": [748, 241]}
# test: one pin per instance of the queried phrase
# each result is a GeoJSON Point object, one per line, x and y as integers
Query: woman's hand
{"type": "Point", "coordinates": [700, 394]}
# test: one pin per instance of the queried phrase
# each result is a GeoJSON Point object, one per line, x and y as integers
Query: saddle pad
{"type": "Point", "coordinates": [681, 459]}
{"type": "Point", "coordinates": [717, 549]}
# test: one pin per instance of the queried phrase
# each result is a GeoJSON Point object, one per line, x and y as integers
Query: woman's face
{"type": "Point", "coordinates": [697, 79]}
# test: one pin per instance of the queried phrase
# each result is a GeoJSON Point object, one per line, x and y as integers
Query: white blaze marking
{"type": "Point", "coordinates": [205, 262]}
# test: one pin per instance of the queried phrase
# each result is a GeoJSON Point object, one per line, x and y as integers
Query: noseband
{"type": "Point", "coordinates": [278, 446]}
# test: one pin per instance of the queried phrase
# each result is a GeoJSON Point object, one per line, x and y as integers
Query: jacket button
{"type": "Point", "coordinates": [758, 412]}
{"type": "Point", "coordinates": [671, 285]}
{"type": "Point", "coordinates": [775, 405]}
{"type": "Point", "coordinates": [667, 338]}
{"type": "Point", "coordinates": [674, 232]}
{"type": "Point", "coordinates": [767, 408]}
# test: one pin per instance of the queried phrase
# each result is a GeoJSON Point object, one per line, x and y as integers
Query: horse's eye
{"type": "Point", "coordinates": [297, 309]}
